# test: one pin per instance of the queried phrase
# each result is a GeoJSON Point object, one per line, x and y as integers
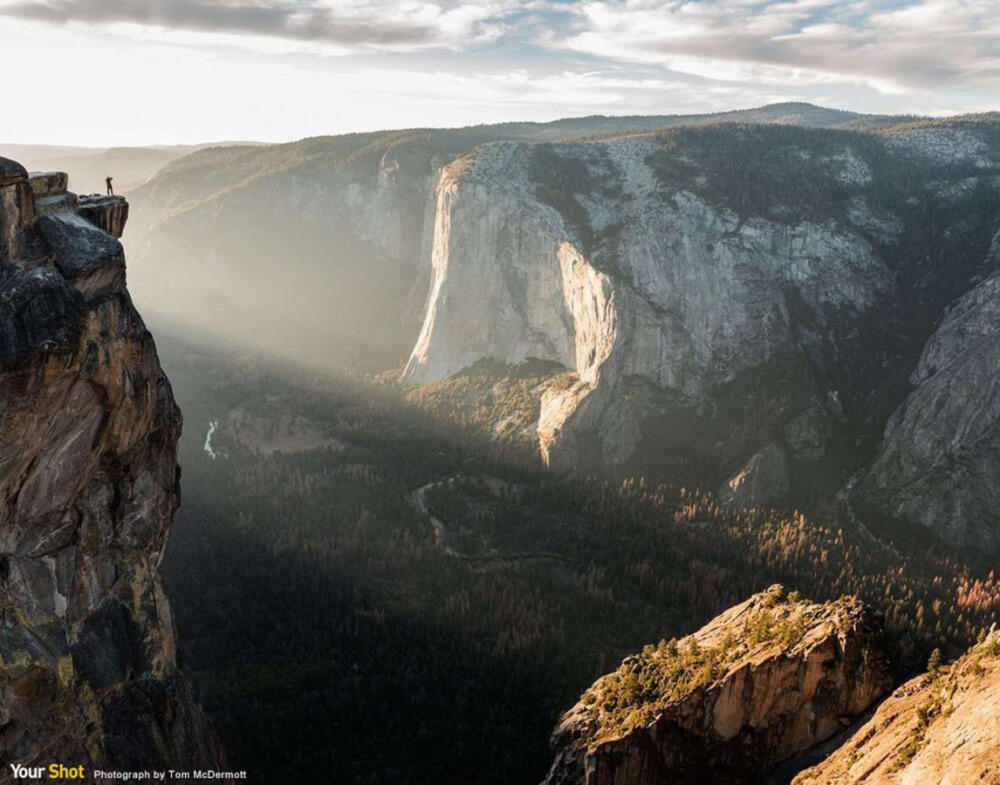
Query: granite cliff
{"type": "Point", "coordinates": [737, 305]}
{"type": "Point", "coordinates": [940, 727]}
{"type": "Point", "coordinates": [648, 292]}
{"type": "Point", "coordinates": [939, 463]}
{"type": "Point", "coordinates": [762, 681]}
{"type": "Point", "coordinates": [88, 491]}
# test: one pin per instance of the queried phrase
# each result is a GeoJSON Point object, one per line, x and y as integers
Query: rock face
{"type": "Point", "coordinates": [622, 277]}
{"type": "Point", "coordinates": [938, 728]}
{"type": "Point", "coordinates": [108, 212]}
{"type": "Point", "coordinates": [764, 480]}
{"type": "Point", "coordinates": [88, 491]}
{"type": "Point", "coordinates": [764, 680]}
{"type": "Point", "coordinates": [733, 298]}
{"type": "Point", "coordinates": [939, 464]}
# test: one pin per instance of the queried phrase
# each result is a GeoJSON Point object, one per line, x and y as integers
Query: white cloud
{"type": "Point", "coordinates": [196, 70]}
{"type": "Point", "coordinates": [347, 24]}
{"type": "Point", "coordinates": [923, 45]}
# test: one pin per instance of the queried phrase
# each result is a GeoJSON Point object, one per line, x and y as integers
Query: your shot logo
{"type": "Point", "coordinates": [53, 771]}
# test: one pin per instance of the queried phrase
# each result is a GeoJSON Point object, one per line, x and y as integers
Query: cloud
{"type": "Point", "coordinates": [165, 93]}
{"type": "Point", "coordinates": [898, 46]}
{"type": "Point", "coordinates": [893, 46]}
{"type": "Point", "coordinates": [354, 23]}
{"type": "Point", "coordinates": [280, 69]}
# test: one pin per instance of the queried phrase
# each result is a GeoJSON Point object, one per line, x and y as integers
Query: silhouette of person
{"type": "Point", "coordinates": [111, 191]}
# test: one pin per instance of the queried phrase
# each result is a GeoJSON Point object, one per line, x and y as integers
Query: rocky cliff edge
{"type": "Point", "coordinates": [88, 491]}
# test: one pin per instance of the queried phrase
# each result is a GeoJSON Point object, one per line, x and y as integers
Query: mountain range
{"type": "Point", "coordinates": [129, 166]}
{"type": "Point", "coordinates": [753, 302]}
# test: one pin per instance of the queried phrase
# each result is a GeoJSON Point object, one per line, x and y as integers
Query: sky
{"type": "Point", "coordinates": [134, 72]}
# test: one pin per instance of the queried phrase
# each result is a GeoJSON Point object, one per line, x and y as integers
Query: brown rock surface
{"type": "Point", "coordinates": [108, 212]}
{"type": "Point", "coordinates": [762, 681]}
{"type": "Point", "coordinates": [940, 728]}
{"type": "Point", "coordinates": [88, 491]}
{"type": "Point", "coordinates": [11, 172]}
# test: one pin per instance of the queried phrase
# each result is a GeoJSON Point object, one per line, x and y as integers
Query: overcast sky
{"type": "Point", "coordinates": [113, 72]}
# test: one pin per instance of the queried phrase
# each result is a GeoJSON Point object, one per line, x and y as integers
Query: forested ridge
{"type": "Point", "coordinates": [328, 630]}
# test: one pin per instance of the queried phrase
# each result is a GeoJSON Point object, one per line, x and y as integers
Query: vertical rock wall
{"type": "Point", "coordinates": [578, 254]}
{"type": "Point", "coordinates": [939, 462]}
{"type": "Point", "coordinates": [88, 491]}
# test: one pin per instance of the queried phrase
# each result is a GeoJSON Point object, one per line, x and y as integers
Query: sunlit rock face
{"type": "Point", "coordinates": [88, 491]}
{"type": "Point", "coordinates": [939, 727]}
{"type": "Point", "coordinates": [762, 681]}
{"type": "Point", "coordinates": [582, 254]}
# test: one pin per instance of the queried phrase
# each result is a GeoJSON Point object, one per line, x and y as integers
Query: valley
{"type": "Point", "coordinates": [549, 398]}
{"type": "Point", "coordinates": [363, 616]}
{"type": "Point", "coordinates": [604, 451]}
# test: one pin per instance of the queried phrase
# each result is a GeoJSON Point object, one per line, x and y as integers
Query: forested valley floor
{"type": "Point", "coordinates": [340, 625]}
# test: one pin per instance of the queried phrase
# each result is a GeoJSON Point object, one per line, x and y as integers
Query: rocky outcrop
{"type": "Point", "coordinates": [764, 480]}
{"type": "Point", "coordinates": [940, 728]}
{"type": "Point", "coordinates": [88, 491]}
{"type": "Point", "coordinates": [764, 680]}
{"type": "Point", "coordinates": [110, 213]}
{"type": "Point", "coordinates": [939, 464]}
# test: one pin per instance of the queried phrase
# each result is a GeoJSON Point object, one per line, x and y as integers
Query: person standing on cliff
{"type": "Point", "coordinates": [111, 191]}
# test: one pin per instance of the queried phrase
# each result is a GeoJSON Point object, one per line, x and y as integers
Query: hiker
{"type": "Point", "coordinates": [111, 191]}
